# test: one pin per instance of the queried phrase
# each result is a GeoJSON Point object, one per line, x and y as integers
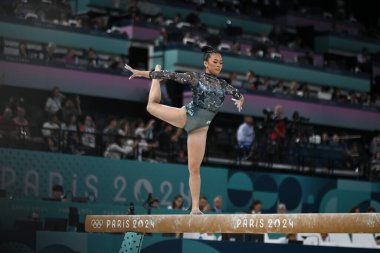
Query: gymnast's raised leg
{"type": "Point", "coordinates": [171, 115]}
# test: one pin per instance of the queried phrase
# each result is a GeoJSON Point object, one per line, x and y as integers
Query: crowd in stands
{"type": "Point", "coordinates": [63, 126]}
{"type": "Point", "coordinates": [53, 53]}
{"type": "Point", "coordinates": [190, 31]}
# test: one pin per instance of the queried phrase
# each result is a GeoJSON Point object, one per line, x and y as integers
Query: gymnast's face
{"type": "Point", "coordinates": [214, 64]}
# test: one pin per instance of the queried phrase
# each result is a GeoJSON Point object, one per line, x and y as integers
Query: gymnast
{"type": "Point", "coordinates": [208, 96]}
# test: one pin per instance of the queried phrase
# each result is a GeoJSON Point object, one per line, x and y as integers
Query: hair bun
{"type": "Point", "coordinates": [206, 49]}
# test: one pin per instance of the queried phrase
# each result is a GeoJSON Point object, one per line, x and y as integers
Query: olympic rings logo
{"type": "Point", "coordinates": [97, 223]}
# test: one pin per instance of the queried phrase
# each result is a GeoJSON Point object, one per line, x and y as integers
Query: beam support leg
{"type": "Point", "coordinates": [132, 243]}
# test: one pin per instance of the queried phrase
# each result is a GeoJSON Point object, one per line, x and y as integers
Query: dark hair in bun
{"type": "Point", "coordinates": [208, 51]}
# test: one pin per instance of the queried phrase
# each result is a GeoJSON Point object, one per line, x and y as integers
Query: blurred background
{"type": "Point", "coordinates": [75, 137]}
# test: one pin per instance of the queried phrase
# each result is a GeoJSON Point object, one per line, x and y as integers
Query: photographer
{"type": "Point", "coordinates": [279, 131]}
{"type": "Point", "coordinates": [277, 134]}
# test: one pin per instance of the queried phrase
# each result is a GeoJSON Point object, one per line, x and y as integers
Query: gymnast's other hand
{"type": "Point", "coordinates": [239, 103]}
{"type": "Point", "coordinates": [135, 72]}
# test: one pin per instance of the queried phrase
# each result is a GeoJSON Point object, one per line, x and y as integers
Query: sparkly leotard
{"type": "Point", "coordinates": [208, 95]}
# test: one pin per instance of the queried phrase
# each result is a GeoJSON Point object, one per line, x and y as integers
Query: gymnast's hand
{"type": "Point", "coordinates": [239, 103]}
{"type": "Point", "coordinates": [135, 72]}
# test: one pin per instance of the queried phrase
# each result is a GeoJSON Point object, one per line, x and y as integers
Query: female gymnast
{"type": "Point", "coordinates": [196, 116]}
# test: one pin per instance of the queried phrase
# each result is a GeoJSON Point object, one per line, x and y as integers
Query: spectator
{"type": "Point", "coordinates": [363, 61]}
{"type": "Point", "coordinates": [117, 150]}
{"type": "Point", "coordinates": [236, 47]}
{"type": "Point", "coordinates": [53, 104]}
{"type": "Point", "coordinates": [57, 193]}
{"type": "Point", "coordinates": [234, 80]}
{"type": "Point", "coordinates": [34, 216]}
{"type": "Point", "coordinates": [218, 205]}
{"type": "Point", "coordinates": [70, 123]}
{"type": "Point", "coordinates": [355, 209]}
{"type": "Point", "coordinates": [71, 142]}
{"type": "Point", "coordinates": [88, 130]}
{"type": "Point", "coordinates": [281, 208]}
{"type": "Point", "coordinates": [188, 39]}
{"type": "Point", "coordinates": [50, 51]}
{"type": "Point", "coordinates": [325, 237]}
{"type": "Point", "coordinates": [50, 132]}
{"type": "Point", "coordinates": [245, 137]}
{"type": "Point", "coordinates": [110, 132]}
{"type": "Point", "coordinates": [256, 207]}
{"type": "Point", "coordinates": [377, 240]}
{"type": "Point", "coordinates": [115, 62]}
{"type": "Point", "coordinates": [335, 140]}
{"type": "Point", "coordinates": [251, 80]}
{"type": "Point", "coordinates": [289, 238]}
{"type": "Point", "coordinates": [7, 126]}
{"type": "Point", "coordinates": [154, 203]}
{"type": "Point", "coordinates": [279, 88]}
{"type": "Point", "coordinates": [266, 85]}
{"type": "Point", "coordinates": [22, 124]}
{"type": "Point", "coordinates": [71, 108]}
{"type": "Point", "coordinates": [375, 145]}
{"type": "Point", "coordinates": [293, 88]}
{"type": "Point", "coordinates": [279, 128]}
{"type": "Point", "coordinates": [70, 57]}
{"type": "Point", "coordinates": [177, 19]}
{"type": "Point", "coordinates": [325, 139]}
{"type": "Point", "coordinates": [92, 58]}
{"type": "Point", "coordinates": [203, 204]}
{"type": "Point", "coordinates": [23, 50]}
{"type": "Point", "coordinates": [125, 128]}
{"type": "Point", "coordinates": [177, 203]}
{"type": "Point", "coordinates": [209, 237]}
{"type": "Point", "coordinates": [371, 210]}
{"type": "Point", "coordinates": [145, 131]}
{"type": "Point", "coordinates": [303, 91]}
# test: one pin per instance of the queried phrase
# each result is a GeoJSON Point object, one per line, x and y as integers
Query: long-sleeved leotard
{"type": "Point", "coordinates": [208, 95]}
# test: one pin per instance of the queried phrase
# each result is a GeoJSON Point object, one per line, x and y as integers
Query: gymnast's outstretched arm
{"type": "Point", "coordinates": [235, 93]}
{"type": "Point", "coordinates": [187, 77]}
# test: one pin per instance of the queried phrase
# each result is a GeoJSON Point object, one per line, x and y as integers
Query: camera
{"type": "Point", "coordinates": [268, 113]}
{"type": "Point", "coordinates": [300, 119]}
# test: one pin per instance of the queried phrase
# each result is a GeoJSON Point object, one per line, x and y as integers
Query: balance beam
{"type": "Point", "coordinates": [236, 223]}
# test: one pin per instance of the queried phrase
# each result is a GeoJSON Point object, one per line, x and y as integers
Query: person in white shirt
{"type": "Point", "coordinates": [245, 138]}
{"type": "Point", "coordinates": [54, 103]}
{"type": "Point", "coordinates": [116, 150]}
